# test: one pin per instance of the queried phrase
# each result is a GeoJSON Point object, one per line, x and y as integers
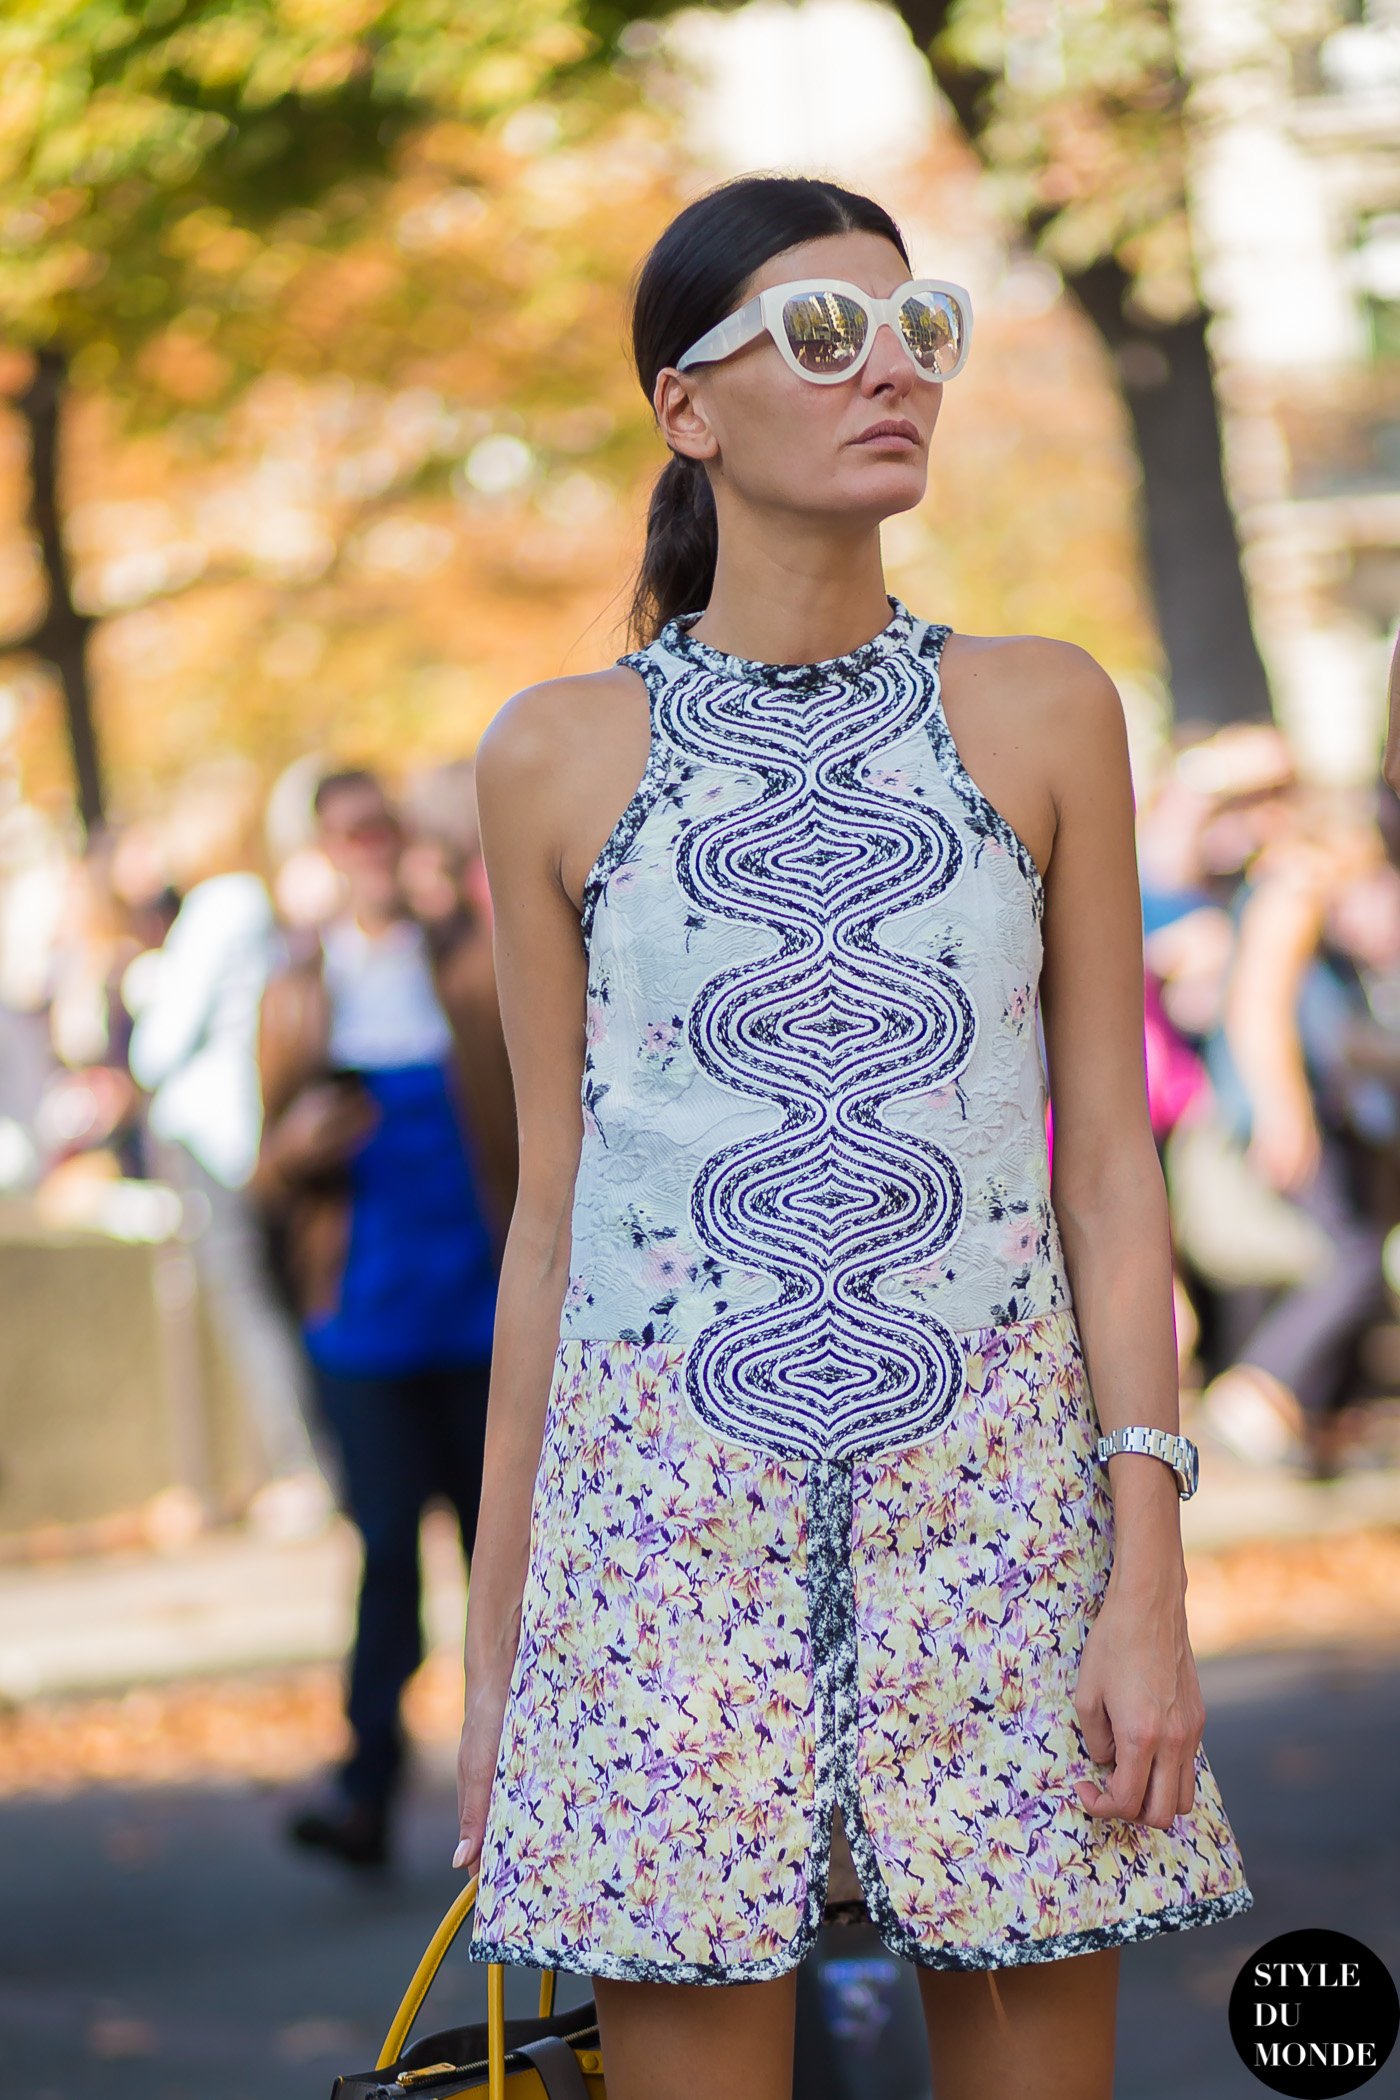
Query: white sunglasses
{"type": "Point", "coordinates": [826, 329]}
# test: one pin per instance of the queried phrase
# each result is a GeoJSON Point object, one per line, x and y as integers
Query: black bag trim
{"type": "Point", "coordinates": [558, 2068]}
{"type": "Point", "coordinates": [467, 2050]}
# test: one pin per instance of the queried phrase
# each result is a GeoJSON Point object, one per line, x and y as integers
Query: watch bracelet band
{"type": "Point", "coordinates": [1176, 1451]}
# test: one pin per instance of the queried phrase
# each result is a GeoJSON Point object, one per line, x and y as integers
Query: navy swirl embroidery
{"type": "Point", "coordinates": [830, 1028]}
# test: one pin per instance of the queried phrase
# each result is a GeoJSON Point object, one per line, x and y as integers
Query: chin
{"type": "Point", "coordinates": [892, 484]}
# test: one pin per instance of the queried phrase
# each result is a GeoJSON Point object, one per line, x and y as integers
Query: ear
{"type": "Point", "coordinates": [680, 417]}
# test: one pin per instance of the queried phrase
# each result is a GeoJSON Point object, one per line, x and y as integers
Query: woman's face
{"type": "Point", "coordinates": [777, 441]}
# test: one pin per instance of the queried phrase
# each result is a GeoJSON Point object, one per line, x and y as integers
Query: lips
{"type": "Point", "coordinates": [894, 428]}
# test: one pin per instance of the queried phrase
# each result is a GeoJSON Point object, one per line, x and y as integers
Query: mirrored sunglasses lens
{"type": "Point", "coordinates": [825, 330]}
{"type": "Point", "coordinates": [933, 329]}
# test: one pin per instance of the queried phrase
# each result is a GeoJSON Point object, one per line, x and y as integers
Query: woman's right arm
{"type": "Point", "coordinates": [525, 785]}
{"type": "Point", "coordinates": [307, 1127]}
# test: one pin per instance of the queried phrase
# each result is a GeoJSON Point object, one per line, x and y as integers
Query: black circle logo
{"type": "Point", "coordinates": [1314, 2013]}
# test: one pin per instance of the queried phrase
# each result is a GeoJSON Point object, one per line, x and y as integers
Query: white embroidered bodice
{"type": "Point", "coordinates": [814, 1098]}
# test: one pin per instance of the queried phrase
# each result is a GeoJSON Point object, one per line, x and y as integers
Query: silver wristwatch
{"type": "Point", "coordinates": [1178, 1451]}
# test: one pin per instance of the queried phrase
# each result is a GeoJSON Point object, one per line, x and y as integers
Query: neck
{"type": "Point", "coordinates": [792, 596]}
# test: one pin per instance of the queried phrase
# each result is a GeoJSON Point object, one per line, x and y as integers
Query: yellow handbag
{"type": "Point", "coordinates": [555, 2056]}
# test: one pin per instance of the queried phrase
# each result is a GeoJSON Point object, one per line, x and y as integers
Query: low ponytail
{"type": "Point", "coordinates": [678, 563]}
{"type": "Point", "coordinates": [695, 274]}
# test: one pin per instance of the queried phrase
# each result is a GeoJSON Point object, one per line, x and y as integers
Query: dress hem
{"type": "Point", "coordinates": [1091, 1939]}
{"type": "Point", "coordinates": [993, 1954]}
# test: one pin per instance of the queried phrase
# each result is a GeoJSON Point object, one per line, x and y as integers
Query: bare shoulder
{"type": "Point", "coordinates": [544, 730]}
{"type": "Point", "coordinates": [556, 765]}
{"type": "Point", "coordinates": [1051, 694]}
{"type": "Point", "coordinates": [1042, 673]}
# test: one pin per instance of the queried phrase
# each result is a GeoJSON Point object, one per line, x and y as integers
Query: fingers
{"type": "Point", "coordinates": [1127, 1784]}
{"type": "Point", "coordinates": [1097, 1731]}
{"type": "Point", "coordinates": [1152, 1782]}
{"type": "Point", "coordinates": [471, 1829]}
{"type": "Point", "coordinates": [1186, 1788]}
{"type": "Point", "coordinates": [1163, 1789]}
{"type": "Point", "coordinates": [473, 1799]}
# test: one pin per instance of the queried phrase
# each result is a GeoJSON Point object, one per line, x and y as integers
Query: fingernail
{"type": "Point", "coordinates": [461, 1855]}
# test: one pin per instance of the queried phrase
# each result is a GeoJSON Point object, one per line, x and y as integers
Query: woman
{"type": "Point", "coordinates": [793, 1527]}
{"type": "Point", "coordinates": [388, 1155]}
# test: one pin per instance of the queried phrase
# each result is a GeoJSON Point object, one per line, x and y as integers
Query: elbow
{"type": "Point", "coordinates": [540, 1236]}
{"type": "Point", "coordinates": [1110, 1195]}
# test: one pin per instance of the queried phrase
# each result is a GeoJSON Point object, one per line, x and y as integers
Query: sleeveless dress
{"type": "Point", "coordinates": [818, 1530]}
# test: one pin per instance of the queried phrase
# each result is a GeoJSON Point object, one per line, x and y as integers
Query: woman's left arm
{"type": "Point", "coordinates": [1138, 1697]}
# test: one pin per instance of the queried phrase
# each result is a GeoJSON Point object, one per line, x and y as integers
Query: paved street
{"type": "Point", "coordinates": [160, 1945]}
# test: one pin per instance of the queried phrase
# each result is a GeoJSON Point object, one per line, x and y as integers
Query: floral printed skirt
{"type": "Point", "coordinates": [741, 1674]}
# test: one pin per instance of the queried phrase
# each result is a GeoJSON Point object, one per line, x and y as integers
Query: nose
{"type": "Point", "coordinates": [889, 363]}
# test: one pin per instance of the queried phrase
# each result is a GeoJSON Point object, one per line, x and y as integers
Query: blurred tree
{"type": "Point", "coordinates": [1074, 107]}
{"type": "Point", "coordinates": [433, 493]}
{"type": "Point", "coordinates": [1077, 110]}
{"type": "Point", "coordinates": [346, 460]}
{"type": "Point", "coordinates": [178, 179]}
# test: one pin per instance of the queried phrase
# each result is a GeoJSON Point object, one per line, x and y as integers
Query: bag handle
{"type": "Point", "coordinates": [495, 1996]}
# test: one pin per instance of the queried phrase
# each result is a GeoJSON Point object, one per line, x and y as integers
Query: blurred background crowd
{"type": "Point", "coordinates": [318, 438]}
{"type": "Point", "coordinates": [132, 978]}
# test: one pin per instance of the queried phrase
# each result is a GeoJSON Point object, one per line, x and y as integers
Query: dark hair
{"type": "Point", "coordinates": [343, 777]}
{"type": "Point", "coordinates": [690, 279]}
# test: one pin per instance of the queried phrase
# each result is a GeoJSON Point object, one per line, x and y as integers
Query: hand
{"type": "Point", "coordinates": [1285, 1146]}
{"type": "Point", "coordinates": [477, 1753]}
{"type": "Point", "coordinates": [1139, 1704]}
{"type": "Point", "coordinates": [322, 1127]}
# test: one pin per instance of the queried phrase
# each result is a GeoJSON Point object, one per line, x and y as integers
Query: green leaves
{"type": "Point", "coordinates": [122, 125]}
{"type": "Point", "coordinates": [1078, 114]}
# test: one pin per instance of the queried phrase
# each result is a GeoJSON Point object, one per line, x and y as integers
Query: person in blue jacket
{"type": "Point", "coordinates": [387, 1161]}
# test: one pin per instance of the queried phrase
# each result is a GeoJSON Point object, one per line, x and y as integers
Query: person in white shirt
{"type": "Point", "coordinates": [193, 1048]}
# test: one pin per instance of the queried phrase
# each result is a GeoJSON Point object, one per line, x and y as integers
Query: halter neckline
{"type": "Point", "coordinates": [893, 636]}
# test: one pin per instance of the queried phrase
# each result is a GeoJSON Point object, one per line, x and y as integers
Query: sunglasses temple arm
{"type": "Point", "coordinates": [726, 336]}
